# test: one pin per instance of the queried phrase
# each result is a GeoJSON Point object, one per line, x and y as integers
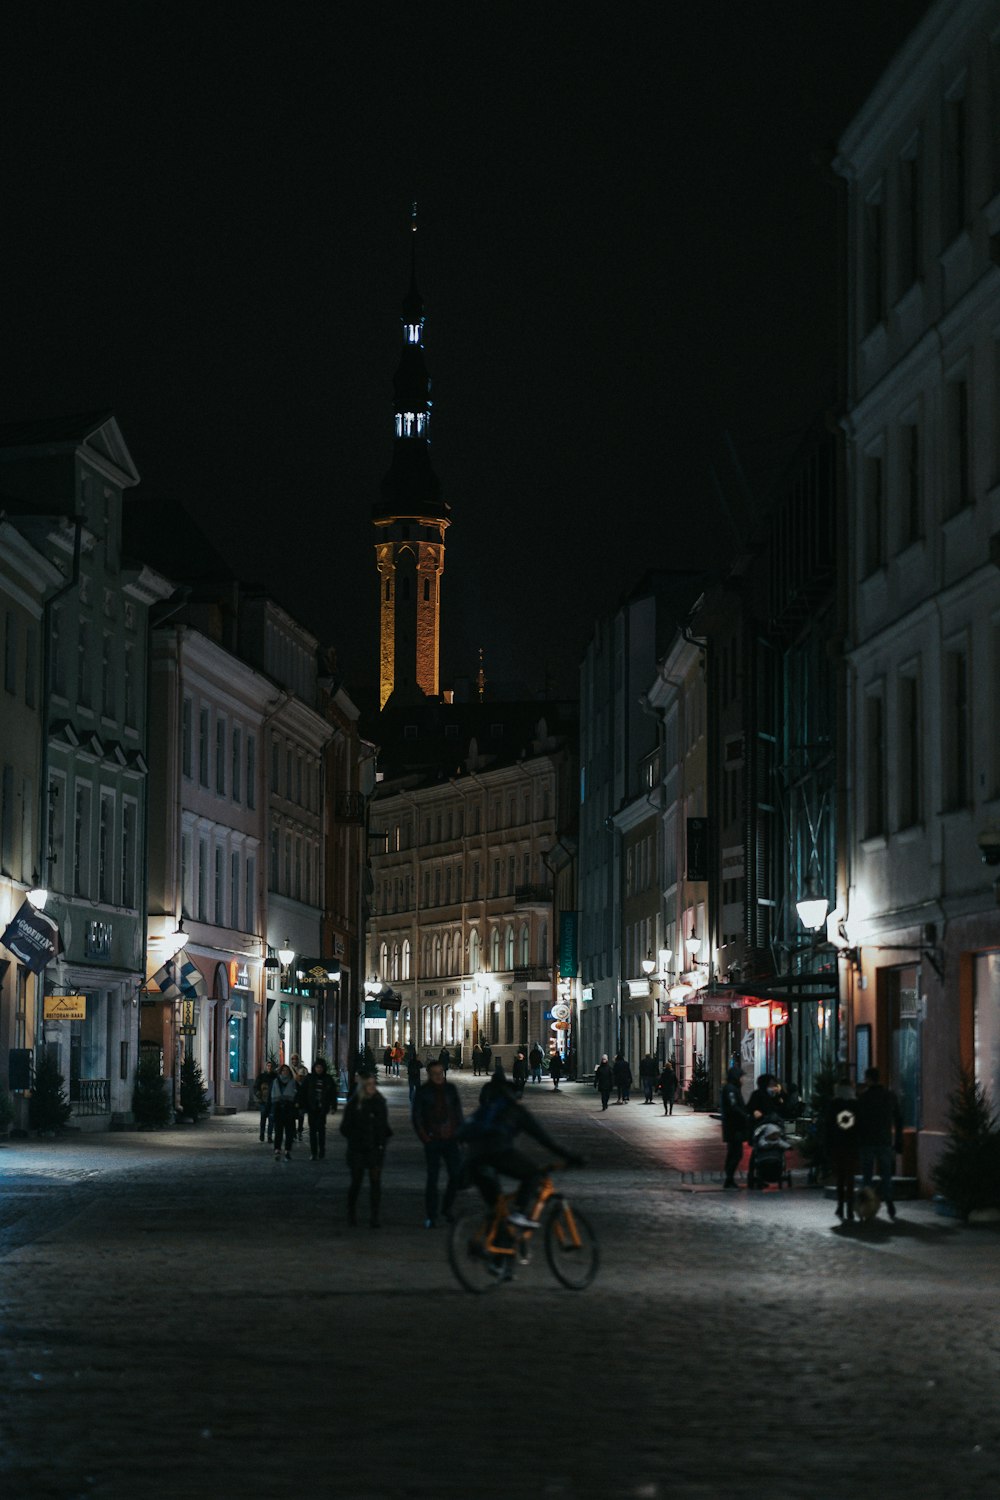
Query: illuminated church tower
{"type": "Point", "coordinates": [410, 523]}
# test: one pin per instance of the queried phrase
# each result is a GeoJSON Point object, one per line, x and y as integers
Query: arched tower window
{"type": "Point", "coordinates": [395, 961]}
{"type": "Point", "coordinates": [495, 950]}
{"type": "Point", "coordinates": [406, 959]}
{"type": "Point", "coordinates": [437, 955]}
{"type": "Point", "coordinates": [525, 958]}
{"type": "Point", "coordinates": [383, 961]}
{"type": "Point", "coordinates": [474, 952]}
{"type": "Point", "coordinates": [508, 948]}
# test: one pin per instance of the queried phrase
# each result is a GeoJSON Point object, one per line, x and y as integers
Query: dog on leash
{"type": "Point", "coordinates": [866, 1204]}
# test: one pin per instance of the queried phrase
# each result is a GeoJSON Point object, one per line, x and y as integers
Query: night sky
{"type": "Point", "coordinates": [627, 250]}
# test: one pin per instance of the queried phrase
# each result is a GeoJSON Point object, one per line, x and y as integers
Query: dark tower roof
{"type": "Point", "coordinates": [411, 488]}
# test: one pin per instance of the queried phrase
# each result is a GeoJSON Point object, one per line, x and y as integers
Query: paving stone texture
{"type": "Point", "coordinates": [181, 1316]}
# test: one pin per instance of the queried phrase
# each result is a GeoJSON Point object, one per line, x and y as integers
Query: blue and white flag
{"type": "Point", "coordinates": [180, 979]}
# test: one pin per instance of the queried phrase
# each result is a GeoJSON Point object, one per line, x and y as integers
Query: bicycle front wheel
{"type": "Point", "coordinates": [570, 1246]}
{"type": "Point", "coordinates": [478, 1268]}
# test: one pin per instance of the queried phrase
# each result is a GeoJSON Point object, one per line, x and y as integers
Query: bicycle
{"type": "Point", "coordinates": [484, 1251]}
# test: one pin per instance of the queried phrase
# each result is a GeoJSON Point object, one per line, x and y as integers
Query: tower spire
{"type": "Point", "coordinates": [410, 521]}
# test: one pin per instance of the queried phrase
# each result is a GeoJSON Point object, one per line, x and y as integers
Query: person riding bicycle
{"type": "Point", "coordinates": [489, 1135]}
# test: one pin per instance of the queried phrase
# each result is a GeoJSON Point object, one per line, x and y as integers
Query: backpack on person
{"type": "Point", "coordinates": [485, 1126]}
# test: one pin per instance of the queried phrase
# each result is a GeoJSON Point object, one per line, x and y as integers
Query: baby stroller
{"type": "Point", "coordinates": [767, 1156]}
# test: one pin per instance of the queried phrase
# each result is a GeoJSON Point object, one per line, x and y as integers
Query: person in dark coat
{"type": "Point", "coordinates": [535, 1059]}
{"type": "Point", "coordinates": [489, 1136]}
{"type": "Point", "coordinates": [413, 1068]}
{"type": "Point", "coordinates": [842, 1145]}
{"type": "Point", "coordinates": [444, 1058]}
{"type": "Point", "coordinates": [555, 1067]}
{"type": "Point", "coordinates": [366, 1129]}
{"type": "Point", "coordinates": [667, 1086]}
{"type": "Point", "coordinates": [321, 1099]}
{"type": "Point", "coordinates": [387, 1061]}
{"type": "Point", "coordinates": [763, 1102]}
{"type": "Point", "coordinates": [623, 1078]}
{"type": "Point", "coordinates": [487, 1058]}
{"type": "Point", "coordinates": [734, 1123]}
{"type": "Point", "coordinates": [604, 1079]}
{"type": "Point", "coordinates": [647, 1077]}
{"type": "Point", "coordinates": [519, 1073]}
{"type": "Point", "coordinates": [262, 1089]}
{"type": "Point", "coordinates": [437, 1119]}
{"type": "Point", "coordinates": [477, 1060]}
{"type": "Point", "coordinates": [880, 1135]}
{"type": "Point", "coordinates": [284, 1109]}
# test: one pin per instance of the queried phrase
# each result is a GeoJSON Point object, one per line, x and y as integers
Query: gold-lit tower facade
{"type": "Point", "coordinates": [410, 523]}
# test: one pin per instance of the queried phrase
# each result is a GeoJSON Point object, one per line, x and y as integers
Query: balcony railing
{"type": "Point", "coordinates": [532, 895]}
{"type": "Point", "coordinates": [90, 1096]}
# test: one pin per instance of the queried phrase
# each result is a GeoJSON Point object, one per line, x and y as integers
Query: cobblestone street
{"type": "Point", "coordinates": [183, 1316]}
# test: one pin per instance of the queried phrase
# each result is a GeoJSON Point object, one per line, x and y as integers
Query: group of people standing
{"type": "Point", "coordinates": [618, 1075]}
{"type": "Point", "coordinates": [861, 1128]}
{"type": "Point", "coordinates": [289, 1095]}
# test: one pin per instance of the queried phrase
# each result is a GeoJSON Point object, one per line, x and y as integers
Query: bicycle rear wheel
{"type": "Point", "coordinates": [478, 1268]}
{"type": "Point", "coordinates": [570, 1246]}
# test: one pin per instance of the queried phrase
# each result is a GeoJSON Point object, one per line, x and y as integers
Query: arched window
{"type": "Point", "coordinates": [508, 948]}
{"type": "Point", "coordinates": [383, 961]}
{"type": "Point", "coordinates": [446, 955]}
{"type": "Point", "coordinates": [437, 955]}
{"type": "Point", "coordinates": [474, 953]}
{"type": "Point", "coordinates": [406, 959]}
{"type": "Point", "coordinates": [525, 958]}
{"type": "Point", "coordinates": [495, 950]}
{"type": "Point", "coordinates": [395, 961]}
{"type": "Point", "coordinates": [543, 943]}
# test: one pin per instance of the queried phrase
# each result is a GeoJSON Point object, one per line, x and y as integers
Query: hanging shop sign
{"type": "Point", "coordinates": [64, 1008]}
{"type": "Point", "coordinates": [708, 1012]}
{"type": "Point", "coordinates": [32, 937]}
{"type": "Point", "coordinates": [239, 974]}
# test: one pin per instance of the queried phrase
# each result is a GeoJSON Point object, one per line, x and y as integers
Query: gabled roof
{"type": "Point", "coordinates": [96, 430]}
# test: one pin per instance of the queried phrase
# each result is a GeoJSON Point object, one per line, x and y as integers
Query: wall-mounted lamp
{"type": "Point", "coordinates": [286, 953]}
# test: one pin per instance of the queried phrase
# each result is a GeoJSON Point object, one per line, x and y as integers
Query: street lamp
{"type": "Point", "coordinates": [174, 941]}
{"type": "Point", "coordinates": [286, 953]}
{"type": "Point", "coordinates": [38, 895]}
{"type": "Point", "coordinates": [812, 909]}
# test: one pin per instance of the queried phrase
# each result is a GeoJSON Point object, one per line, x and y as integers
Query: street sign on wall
{"type": "Point", "coordinates": [64, 1008]}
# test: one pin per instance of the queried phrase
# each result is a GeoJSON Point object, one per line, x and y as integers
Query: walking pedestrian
{"type": "Point", "coordinates": [604, 1079]}
{"type": "Point", "coordinates": [413, 1066]}
{"type": "Point", "coordinates": [300, 1073]}
{"type": "Point", "coordinates": [387, 1061]}
{"type": "Point", "coordinates": [284, 1108]}
{"type": "Point", "coordinates": [444, 1058]}
{"type": "Point", "coordinates": [366, 1129]}
{"type": "Point", "coordinates": [880, 1135]}
{"type": "Point", "coordinates": [397, 1058]}
{"type": "Point", "coordinates": [477, 1060]}
{"type": "Point", "coordinates": [321, 1099]}
{"type": "Point", "coordinates": [487, 1058]}
{"type": "Point", "coordinates": [668, 1087]}
{"type": "Point", "coordinates": [535, 1059]}
{"type": "Point", "coordinates": [519, 1073]}
{"type": "Point", "coordinates": [623, 1078]}
{"type": "Point", "coordinates": [647, 1077]}
{"type": "Point", "coordinates": [262, 1089]}
{"type": "Point", "coordinates": [842, 1144]}
{"type": "Point", "coordinates": [555, 1067]}
{"type": "Point", "coordinates": [437, 1119]}
{"type": "Point", "coordinates": [734, 1123]}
